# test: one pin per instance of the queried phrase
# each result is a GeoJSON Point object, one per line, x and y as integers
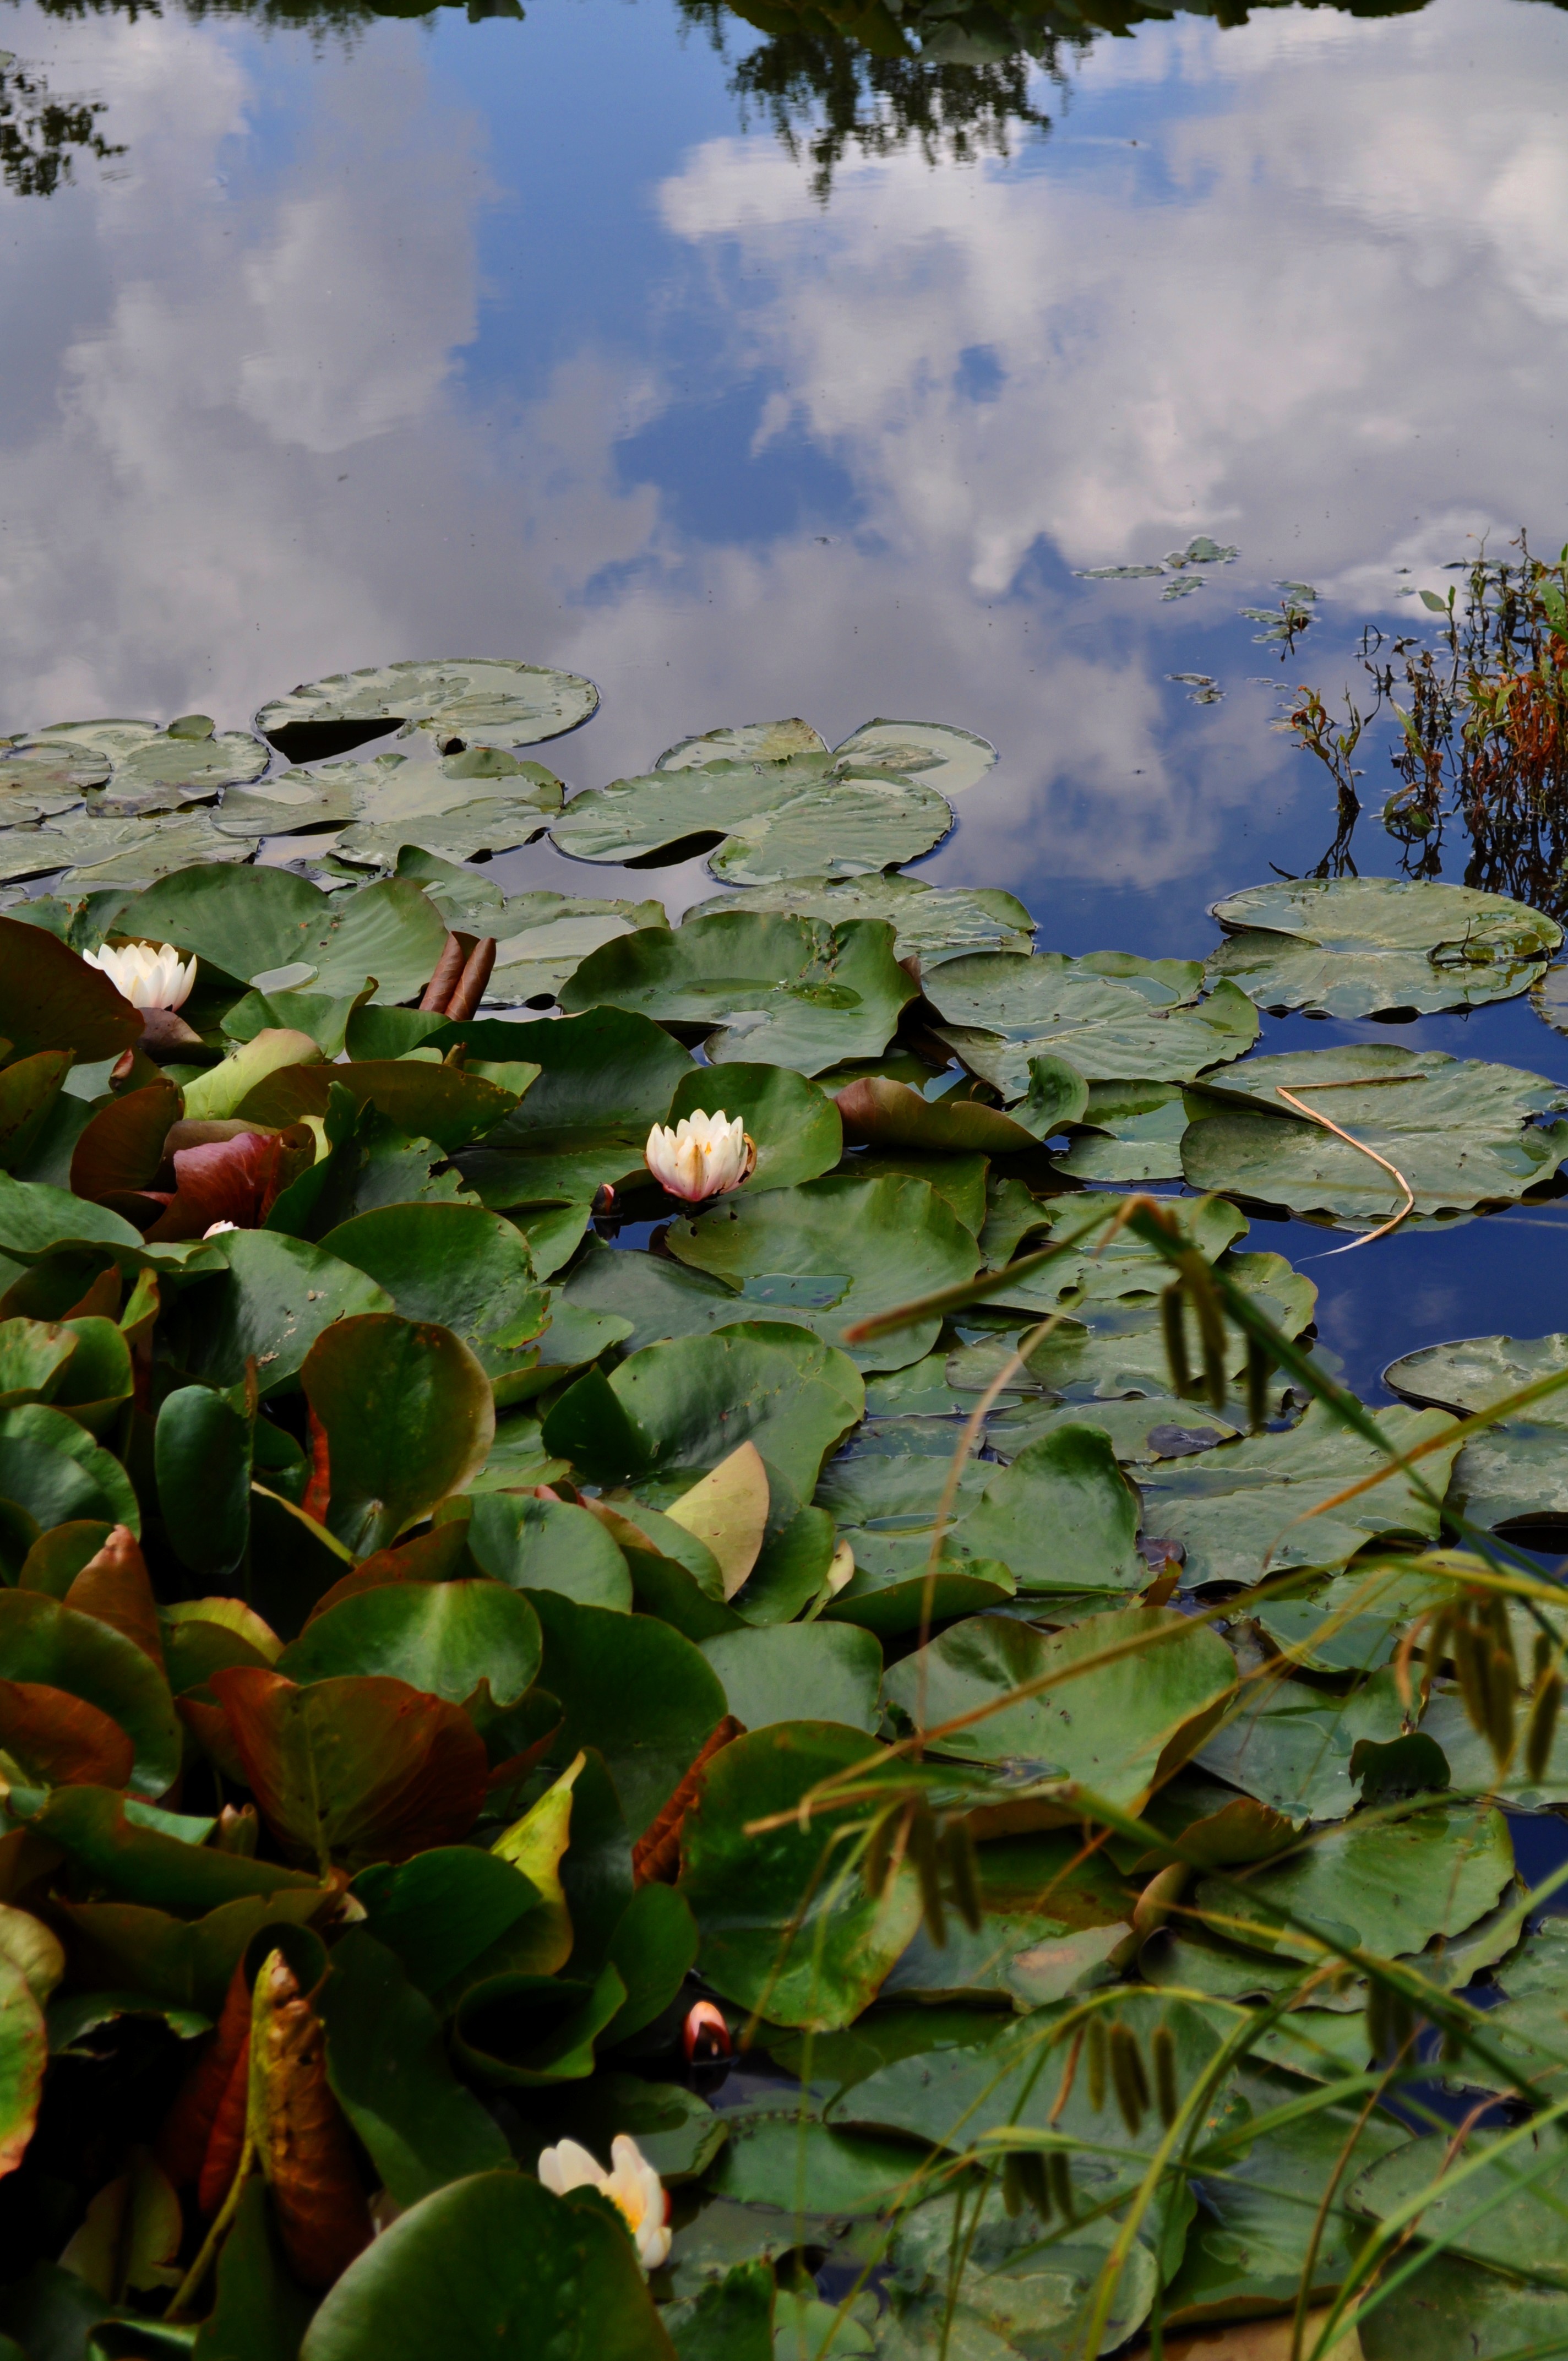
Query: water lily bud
{"type": "Point", "coordinates": [704, 2037]}
{"type": "Point", "coordinates": [632, 2185]}
{"type": "Point", "coordinates": [702, 1155]}
{"type": "Point", "coordinates": [146, 978]}
{"type": "Point", "coordinates": [216, 1229]}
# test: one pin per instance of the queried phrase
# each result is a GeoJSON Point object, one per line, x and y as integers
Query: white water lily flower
{"type": "Point", "coordinates": [216, 1229]}
{"type": "Point", "coordinates": [632, 2185]}
{"type": "Point", "coordinates": [703, 1156]}
{"type": "Point", "coordinates": [146, 978]}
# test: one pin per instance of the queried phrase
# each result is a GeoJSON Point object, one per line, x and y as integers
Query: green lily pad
{"type": "Point", "coordinates": [1013, 2293]}
{"type": "Point", "coordinates": [1514, 1472]}
{"type": "Point", "coordinates": [104, 852]}
{"type": "Point", "coordinates": [1264, 2222]}
{"type": "Point", "coordinates": [1462, 1132]}
{"type": "Point", "coordinates": [774, 991]}
{"type": "Point", "coordinates": [263, 920]}
{"type": "Point", "coordinates": [952, 2075]}
{"type": "Point", "coordinates": [1054, 1922]}
{"type": "Point", "coordinates": [930, 922]}
{"type": "Point", "coordinates": [660, 1298]}
{"type": "Point", "coordinates": [1061, 1517]}
{"type": "Point", "coordinates": [1132, 1132]}
{"type": "Point", "coordinates": [294, 802]}
{"type": "Point", "coordinates": [1455, 2310]}
{"type": "Point", "coordinates": [458, 1264]}
{"type": "Point", "coordinates": [1289, 1745]}
{"type": "Point", "coordinates": [799, 1671]}
{"type": "Point", "coordinates": [834, 1251]}
{"type": "Point", "coordinates": [1508, 2214]}
{"type": "Point", "coordinates": [745, 741]}
{"type": "Point", "coordinates": [782, 1932]}
{"type": "Point", "coordinates": [772, 820]}
{"type": "Point", "coordinates": [469, 701]}
{"type": "Point", "coordinates": [1125, 1022]}
{"type": "Point", "coordinates": [933, 752]}
{"type": "Point", "coordinates": [688, 1403]}
{"type": "Point", "coordinates": [543, 939]}
{"type": "Point", "coordinates": [1115, 1344]}
{"type": "Point", "coordinates": [1389, 1885]}
{"type": "Point", "coordinates": [494, 2264]}
{"type": "Point", "coordinates": [1140, 1428]}
{"type": "Point", "coordinates": [794, 1124]}
{"type": "Point", "coordinates": [1117, 1729]}
{"type": "Point", "coordinates": [606, 1077]}
{"type": "Point", "coordinates": [38, 779]}
{"type": "Point", "coordinates": [1356, 946]}
{"type": "Point", "coordinates": [1236, 1511]}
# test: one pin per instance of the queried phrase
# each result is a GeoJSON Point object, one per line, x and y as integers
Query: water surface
{"type": "Point", "coordinates": [585, 336]}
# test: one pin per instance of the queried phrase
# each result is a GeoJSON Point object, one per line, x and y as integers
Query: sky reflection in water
{"type": "Point", "coordinates": [510, 338]}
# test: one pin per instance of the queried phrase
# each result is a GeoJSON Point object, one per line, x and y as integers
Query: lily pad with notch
{"type": "Point", "coordinates": [1515, 1472]}
{"type": "Point", "coordinates": [461, 700]}
{"type": "Point", "coordinates": [1128, 1132]}
{"type": "Point", "coordinates": [1352, 947]}
{"type": "Point", "coordinates": [834, 1251]}
{"type": "Point", "coordinates": [1118, 1728]}
{"type": "Point", "coordinates": [931, 923]}
{"type": "Point", "coordinates": [1462, 1132]}
{"type": "Point", "coordinates": [761, 821]}
{"type": "Point", "coordinates": [1239, 1510]}
{"type": "Point", "coordinates": [1109, 1015]}
{"type": "Point", "coordinates": [762, 990]}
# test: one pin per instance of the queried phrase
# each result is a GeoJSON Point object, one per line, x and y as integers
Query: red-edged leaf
{"type": "Point", "coordinates": [116, 1161]}
{"type": "Point", "coordinates": [360, 1767]}
{"type": "Point", "coordinates": [182, 2144]}
{"type": "Point", "coordinates": [433, 1556]}
{"type": "Point", "coordinates": [115, 1587]}
{"type": "Point", "coordinates": [54, 1000]}
{"type": "Point", "coordinates": [61, 1741]}
{"type": "Point", "coordinates": [233, 1180]}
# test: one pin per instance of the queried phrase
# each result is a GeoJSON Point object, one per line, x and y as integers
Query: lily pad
{"type": "Point", "coordinates": [770, 991]}
{"type": "Point", "coordinates": [1132, 1132]}
{"type": "Point", "coordinates": [933, 752]}
{"type": "Point", "coordinates": [1353, 947]}
{"type": "Point", "coordinates": [799, 1671]}
{"type": "Point", "coordinates": [1264, 2222]}
{"type": "Point", "coordinates": [1289, 1744]}
{"type": "Point", "coordinates": [103, 852]}
{"type": "Point", "coordinates": [1455, 2310]}
{"type": "Point", "coordinates": [1389, 1885]}
{"type": "Point", "coordinates": [1003, 1008]}
{"type": "Point", "coordinates": [1115, 1344]}
{"type": "Point", "coordinates": [606, 1077]}
{"type": "Point", "coordinates": [834, 1251]}
{"type": "Point", "coordinates": [1517, 1470]}
{"type": "Point", "coordinates": [763, 820]}
{"type": "Point", "coordinates": [1117, 1728]}
{"type": "Point", "coordinates": [266, 919]}
{"type": "Point", "coordinates": [783, 1931]}
{"type": "Point", "coordinates": [930, 922]}
{"type": "Point", "coordinates": [465, 700]}
{"type": "Point", "coordinates": [38, 779]}
{"type": "Point", "coordinates": [1054, 1922]}
{"type": "Point", "coordinates": [1237, 1510]}
{"type": "Point", "coordinates": [1463, 1132]}
{"type": "Point", "coordinates": [745, 741]}
{"type": "Point", "coordinates": [1014, 2291]}
{"type": "Point", "coordinates": [542, 940]}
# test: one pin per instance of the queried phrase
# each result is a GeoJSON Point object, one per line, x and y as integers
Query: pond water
{"type": "Point", "coordinates": [581, 334]}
